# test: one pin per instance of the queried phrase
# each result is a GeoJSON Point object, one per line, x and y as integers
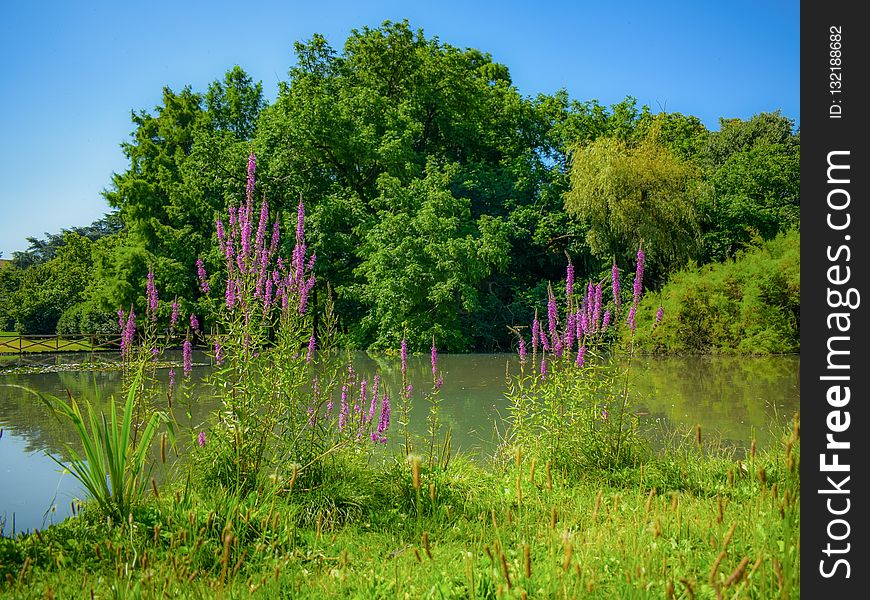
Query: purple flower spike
{"type": "Point", "coordinates": [173, 317]}
{"type": "Point", "coordinates": [194, 323]}
{"type": "Point", "coordinates": [384, 422]}
{"type": "Point", "coordinates": [403, 353]}
{"type": "Point", "coordinates": [581, 356]}
{"type": "Point", "coordinates": [614, 280]}
{"type": "Point", "coordinates": [569, 281]}
{"type": "Point", "coordinates": [218, 353]}
{"type": "Point", "coordinates": [638, 276]}
{"type": "Point", "coordinates": [252, 170]}
{"type": "Point", "coordinates": [606, 321]}
{"type": "Point", "coordinates": [151, 293]}
{"type": "Point", "coordinates": [187, 357]}
{"type": "Point", "coordinates": [660, 314]}
{"type": "Point", "coordinates": [200, 274]}
{"type": "Point", "coordinates": [552, 314]}
{"type": "Point", "coordinates": [536, 333]}
{"type": "Point", "coordinates": [522, 351]}
{"type": "Point", "coordinates": [544, 367]}
{"type": "Point", "coordinates": [200, 439]}
{"type": "Point", "coordinates": [631, 320]}
{"type": "Point", "coordinates": [434, 359]}
{"type": "Point", "coordinates": [311, 345]}
{"type": "Point", "coordinates": [171, 378]}
{"type": "Point", "coordinates": [342, 415]}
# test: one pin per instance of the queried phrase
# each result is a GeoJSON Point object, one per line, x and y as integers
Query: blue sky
{"type": "Point", "coordinates": [74, 73]}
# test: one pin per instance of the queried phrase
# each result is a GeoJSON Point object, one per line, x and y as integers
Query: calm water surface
{"type": "Point", "coordinates": [734, 399]}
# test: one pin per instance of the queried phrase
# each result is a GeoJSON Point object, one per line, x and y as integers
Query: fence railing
{"type": "Point", "coordinates": [88, 342]}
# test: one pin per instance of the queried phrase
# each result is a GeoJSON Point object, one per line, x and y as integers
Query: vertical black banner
{"type": "Point", "coordinates": [835, 227]}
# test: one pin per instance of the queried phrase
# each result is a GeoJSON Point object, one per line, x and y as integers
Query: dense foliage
{"type": "Point", "coordinates": [441, 200]}
{"type": "Point", "coordinates": [748, 305]}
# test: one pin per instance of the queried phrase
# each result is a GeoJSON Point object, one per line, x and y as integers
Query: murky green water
{"type": "Point", "coordinates": [736, 399]}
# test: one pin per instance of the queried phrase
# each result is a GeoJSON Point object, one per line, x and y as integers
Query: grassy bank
{"type": "Point", "coordinates": [690, 523]}
{"type": "Point", "coordinates": [749, 305]}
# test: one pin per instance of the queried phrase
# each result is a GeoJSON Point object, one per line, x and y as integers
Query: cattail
{"type": "Point", "coordinates": [569, 554]}
{"type": "Point", "coordinates": [527, 561]}
{"type": "Point", "coordinates": [698, 434]}
{"type": "Point", "coordinates": [415, 471]}
{"type": "Point", "coordinates": [519, 490]}
{"type": "Point", "coordinates": [532, 470]}
{"type": "Point", "coordinates": [426, 545]}
{"type": "Point", "coordinates": [752, 449]}
{"type": "Point", "coordinates": [549, 476]}
{"type": "Point", "coordinates": [649, 499]}
{"type": "Point", "coordinates": [432, 493]}
{"type": "Point", "coordinates": [737, 574]}
{"type": "Point", "coordinates": [518, 457]}
{"type": "Point", "coordinates": [156, 493]}
{"type": "Point", "coordinates": [553, 517]}
{"type": "Point", "coordinates": [762, 475]}
{"type": "Point", "coordinates": [163, 448]}
{"type": "Point", "coordinates": [721, 513]}
{"type": "Point", "coordinates": [728, 536]}
{"type": "Point", "coordinates": [716, 567]}
{"type": "Point", "coordinates": [731, 477]}
{"type": "Point", "coordinates": [505, 570]}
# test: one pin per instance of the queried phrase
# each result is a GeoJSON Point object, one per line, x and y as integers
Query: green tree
{"type": "Point", "coordinates": [423, 262]}
{"type": "Point", "coordinates": [626, 194]}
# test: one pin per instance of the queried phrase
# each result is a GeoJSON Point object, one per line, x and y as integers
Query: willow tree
{"type": "Point", "coordinates": [626, 194]}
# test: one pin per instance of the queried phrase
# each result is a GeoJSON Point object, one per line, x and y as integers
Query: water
{"type": "Point", "coordinates": [734, 399]}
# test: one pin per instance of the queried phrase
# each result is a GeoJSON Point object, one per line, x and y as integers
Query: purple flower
{"type": "Point", "coordinates": [384, 422]}
{"type": "Point", "coordinates": [569, 281]}
{"type": "Point", "coordinates": [276, 234]}
{"type": "Point", "coordinates": [311, 344]}
{"type": "Point", "coordinates": [606, 321]}
{"type": "Point", "coordinates": [638, 276]}
{"type": "Point", "coordinates": [252, 170]}
{"type": "Point", "coordinates": [631, 314]}
{"type": "Point", "coordinates": [342, 415]}
{"type": "Point", "coordinates": [303, 295]}
{"type": "Point", "coordinates": [187, 357]}
{"type": "Point", "coordinates": [200, 439]}
{"type": "Point", "coordinates": [200, 274]}
{"type": "Point", "coordinates": [434, 359]}
{"type": "Point", "coordinates": [221, 236]}
{"type": "Point", "coordinates": [260, 242]}
{"type": "Point", "coordinates": [581, 356]}
{"type": "Point", "coordinates": [522, 351]}
{"type": "Point", "coordinates": [578, 321]}
{"type": "Point", "coordinates": [373, 405]}
{"type": "Point", "coordinates": [218, 353]}
{"type": "Point", "coordinates": [536, 333]}
{"type": "Point", "coordinates": [121, 319]}
{"type": "Point", "coordinates": [129, 331]}
{"type": "Point", "coordinates": [173, 317]}
{"type": "Point", "coordinates": [151, 293]}
{"type": "Point", "coordinates": [660, 314]}
{"type": "Point", "coordinates": [403, 353]}
{"type": "Point", "coordinates": [194, 323]}
{"type": "Point", "coordinates": [604, 414]}
{"type": "Point", "coordinates": [231, 293]}
{"type": "Point", "coordinates": [614, 278]}
{"type": "Point", "coordinates": [596, 309]}
{"type": "Point", "coordinates": [171, 378]}
{"type": "Point", "coordinates": [552, 314]}
{"type": "Point", "coordinates": [570, 331]}
{"type": "Point", "coordinates": [544, 366]}
{"type": "Point", "coordinates": [440, 382]}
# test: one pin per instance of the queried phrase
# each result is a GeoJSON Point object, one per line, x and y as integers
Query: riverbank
{"type": "Point", "coordinates": [688, 523]}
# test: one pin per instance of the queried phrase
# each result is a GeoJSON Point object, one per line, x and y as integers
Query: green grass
{"type": "Point", "coordinates": [10, 344]}
{"type": "Point", "coordinates": [690, 524]}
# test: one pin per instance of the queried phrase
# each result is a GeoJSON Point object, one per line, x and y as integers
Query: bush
{"type": "Point", "coordinates": [748, 305]}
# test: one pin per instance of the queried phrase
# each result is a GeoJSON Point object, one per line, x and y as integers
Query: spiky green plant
{"type": "Point", "coordinates": [112, 468]}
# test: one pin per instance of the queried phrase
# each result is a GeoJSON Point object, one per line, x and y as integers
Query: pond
{"type": "Point", "coordinates": [735, 399]}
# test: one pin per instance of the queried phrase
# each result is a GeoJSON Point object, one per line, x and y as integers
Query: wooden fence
{"type": "Point", "coordinates": [93, 342]}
